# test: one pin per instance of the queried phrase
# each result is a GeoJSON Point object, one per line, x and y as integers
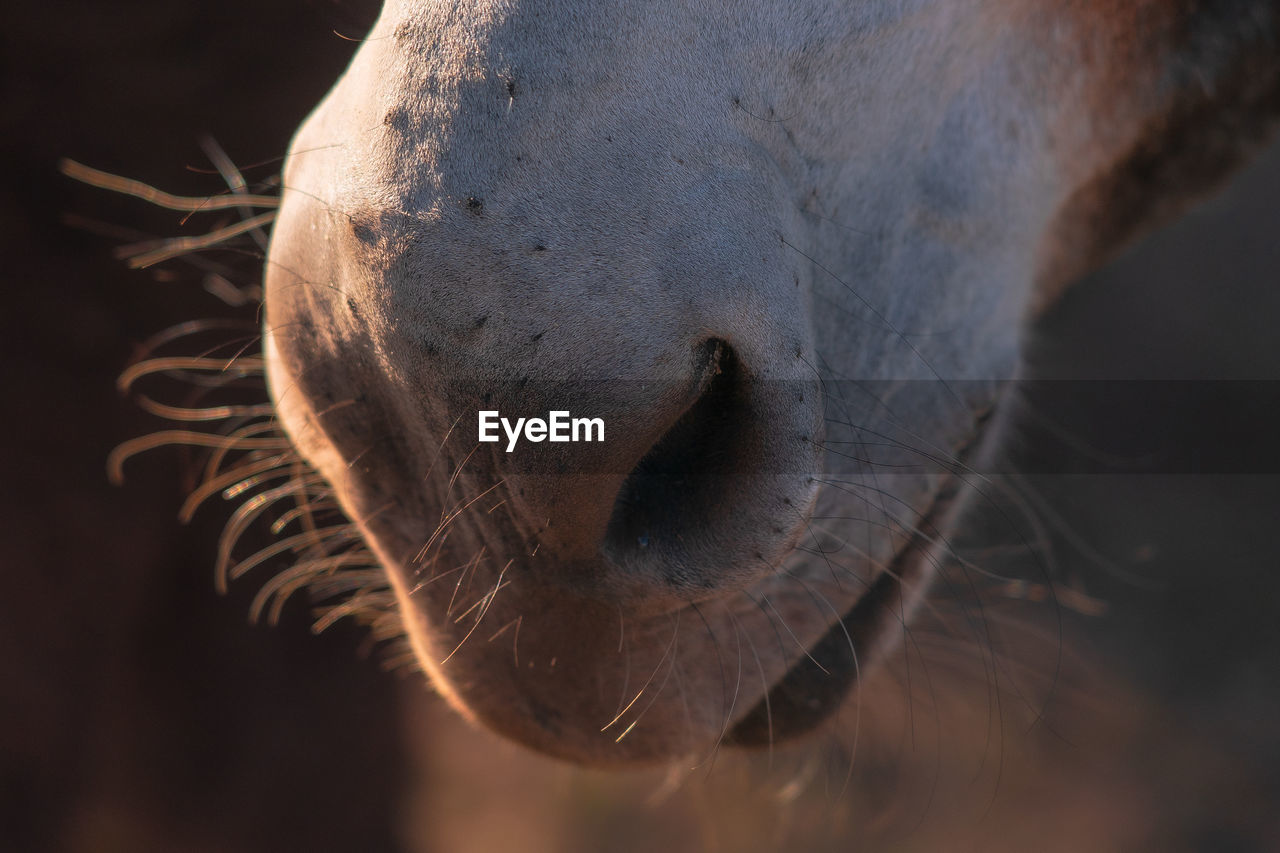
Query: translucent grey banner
{"type": "Point", "coordinates": [905, 427]}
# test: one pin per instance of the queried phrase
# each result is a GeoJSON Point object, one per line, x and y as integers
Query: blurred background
{"type": "Point", "coordinates": [142, 711]}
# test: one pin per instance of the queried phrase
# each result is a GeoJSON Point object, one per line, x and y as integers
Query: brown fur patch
{"type": "Point", "coordinates": [1183, 92]}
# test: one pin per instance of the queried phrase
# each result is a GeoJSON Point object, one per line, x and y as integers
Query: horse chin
{"type": "Point", "coordinates": [599, 683]}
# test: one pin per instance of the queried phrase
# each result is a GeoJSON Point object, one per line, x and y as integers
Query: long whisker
{"type": "Point", "coordinates": [123, 452]}
{"type": "Point", "coordinates": [160, 198]}
{"type": "Point", "coordinates": [182, 245]}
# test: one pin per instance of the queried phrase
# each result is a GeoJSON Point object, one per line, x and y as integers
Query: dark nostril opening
{"type": "Point", "coordinates": [669, 502]}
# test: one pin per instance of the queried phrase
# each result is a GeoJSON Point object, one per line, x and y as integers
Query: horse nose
{"type": "Point", "coordinates": [686, 334]}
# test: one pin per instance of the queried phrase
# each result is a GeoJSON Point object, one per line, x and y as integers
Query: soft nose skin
{"type": "Point", "coordinates": [594, 279]}
{"type": "Point", "coordinates": [712, 417]}
{"type": "Point", "coordinates": [689, 341]}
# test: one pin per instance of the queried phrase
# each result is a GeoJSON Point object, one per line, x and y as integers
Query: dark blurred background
{"type": "Point", "coordinates": [141, 711]}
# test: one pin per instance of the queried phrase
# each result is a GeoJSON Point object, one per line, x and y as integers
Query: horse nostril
{"type": "Point", "coordinates": [675, 499]}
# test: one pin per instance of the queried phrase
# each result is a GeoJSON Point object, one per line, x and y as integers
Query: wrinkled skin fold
{"type": "Point", "coordinates": [785, 251]}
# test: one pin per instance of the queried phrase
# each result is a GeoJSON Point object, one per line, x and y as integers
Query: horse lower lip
{"type": "Point", "coordinates": [816, 685]}
{"type": "Point", "coordinates": [813, 689]}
